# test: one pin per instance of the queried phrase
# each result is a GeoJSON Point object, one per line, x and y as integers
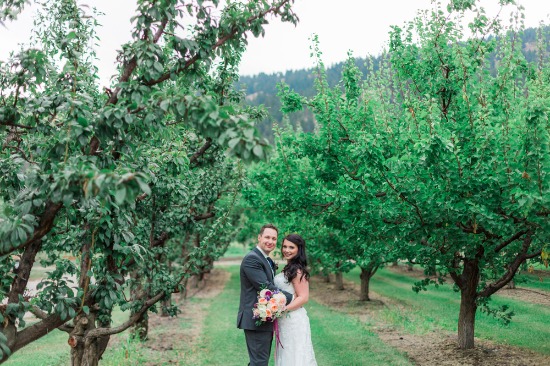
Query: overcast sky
{"type": "Point", "coordinates": [358, 25]}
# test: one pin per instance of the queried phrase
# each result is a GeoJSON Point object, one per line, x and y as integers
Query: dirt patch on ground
{"type": "Point", "coordinates": [526, 295]}
{"type": "Point", "coordinates": [435, 348]}
{"type": "Point", "coordinates": [518, 293]}
{"type": "Point", "coordinates": [173, 339]}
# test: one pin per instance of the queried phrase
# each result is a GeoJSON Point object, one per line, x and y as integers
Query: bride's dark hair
{"type": "Point", "coordinates": [299, 262]}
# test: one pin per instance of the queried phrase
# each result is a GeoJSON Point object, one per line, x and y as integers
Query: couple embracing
{"type": "Point", "coordinates": [258, 271]}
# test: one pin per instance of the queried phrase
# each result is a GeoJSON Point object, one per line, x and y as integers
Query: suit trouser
{"type": "Point", "coordinates": [259, 346]}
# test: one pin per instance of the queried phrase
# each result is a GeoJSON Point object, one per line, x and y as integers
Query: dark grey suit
{"type": "Point", "coordinates": [255, 274]}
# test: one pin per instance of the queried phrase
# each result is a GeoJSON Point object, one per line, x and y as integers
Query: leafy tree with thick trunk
{"type": "Point", "coordinates": [472, 140]}
{"type": "Point", "coordinates": [112, 177]}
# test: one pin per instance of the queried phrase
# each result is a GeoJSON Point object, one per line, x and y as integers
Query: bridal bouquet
{"type": "Point", "coordinates": [270, 306]}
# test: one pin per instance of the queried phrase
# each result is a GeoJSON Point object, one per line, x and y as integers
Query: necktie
{"type": "Point", "coordinates": [271, 263]}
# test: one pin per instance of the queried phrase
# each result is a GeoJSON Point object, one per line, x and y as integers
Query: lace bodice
{"type": "Point", "coordinates": [281, 283]}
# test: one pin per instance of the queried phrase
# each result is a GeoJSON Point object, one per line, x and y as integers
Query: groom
{"type": "Point", "coordinates": [257, 272]}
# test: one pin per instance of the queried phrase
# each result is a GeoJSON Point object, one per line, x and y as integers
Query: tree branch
{"type": "Point", "coordinates": [512, 268]}
{"type": "Point", "coordinates": [45, 225]}
{"type": "Point", "coordinates": [11, 124]}
{"type": "Point", "coordinates": [101, 332]}
{"type": "Point", "coordinates": [220, 42]}
{"type": "Point", "coordinates": [32, 333]}
{"type": "Point", "coordinates": [204, 216]}
{"type": "Point", "coordinates": [40, 314]}
{"type": "Point", "coordinates": [507, 242]}
{"type": "Point", "coordinates": [201, 151]}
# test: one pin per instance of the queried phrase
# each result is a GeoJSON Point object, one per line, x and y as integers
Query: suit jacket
{"type": "Point", "coordinates": [255, 274]}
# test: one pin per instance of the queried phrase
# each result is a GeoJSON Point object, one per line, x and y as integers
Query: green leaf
{"type": "Point", "coordinates": [120, 195]}
{"type": "Point", "coordinates": [143, 186]}
{"type": "Point", "coordinates": [82, 121]}
{"type": "Point", "coordinates": [258, 151]}
{"type": "Point", "coordinates": [164, 105]}
{"type": "Point", "coordinates": [233, 142]}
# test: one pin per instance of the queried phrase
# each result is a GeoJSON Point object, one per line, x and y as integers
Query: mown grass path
{"type": "Point", "coordinates": [438, 308]}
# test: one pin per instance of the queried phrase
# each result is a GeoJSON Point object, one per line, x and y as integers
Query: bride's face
{"type": "Point", "coordinates": [289, 250]}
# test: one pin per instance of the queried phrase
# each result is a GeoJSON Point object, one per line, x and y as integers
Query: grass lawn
{"type": "Point", "coordinates": [438, 308]}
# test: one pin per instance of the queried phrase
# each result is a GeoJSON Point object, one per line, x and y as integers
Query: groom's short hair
{"type": "Point", "coordinates": [268, 226]}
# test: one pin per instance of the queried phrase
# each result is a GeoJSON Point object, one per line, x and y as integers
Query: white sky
{"type": "Point", "coordinates": [358, 25]}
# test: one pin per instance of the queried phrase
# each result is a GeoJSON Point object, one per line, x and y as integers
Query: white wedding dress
{"type": "Point", "coordinates": [295, 348]}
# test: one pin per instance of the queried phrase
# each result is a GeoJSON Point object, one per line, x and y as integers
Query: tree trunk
{"type": "Point", "coordinates": [339, 280]}
{"type": "Point", "coordinates": [366, 275]}
{"type": "Point", "coordinates": [183, 294]}
{"type": "Point", "coordinates": [166, 303]}
{"type": "Point", "coordinates": [22, 270]}
{"type": "Point", "coordinates": [141, 326]}
{"type": "Point", "coordinates": [86, 351]}
{"type": "Point", "coordinates": [365, 281]}
{"type": "Point", "coordinates": [468, 306]}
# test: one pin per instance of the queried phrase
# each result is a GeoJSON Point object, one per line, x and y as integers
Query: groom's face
{"type": "Point", "coordinates": [267, 241]}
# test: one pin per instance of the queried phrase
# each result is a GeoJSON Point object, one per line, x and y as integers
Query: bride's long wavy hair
{"type": "Point", "coordinates": [299, 262]}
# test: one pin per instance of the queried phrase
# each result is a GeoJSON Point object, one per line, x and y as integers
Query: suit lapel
{"type": "Point", "coordinates": [269, 270]}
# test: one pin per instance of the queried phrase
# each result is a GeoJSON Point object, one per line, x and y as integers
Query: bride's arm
{"type": "Point", "coordinates": [301, 288]}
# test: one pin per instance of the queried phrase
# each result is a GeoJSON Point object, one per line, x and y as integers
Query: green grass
{"type": "Point", "coordinates": [438, 308]}
{"type": "Point", "coordinates": [50, 350]}
{"type": "Point", "coordinates": [534, 282]}
{"type": "Point", "coordinates": [236, 250]}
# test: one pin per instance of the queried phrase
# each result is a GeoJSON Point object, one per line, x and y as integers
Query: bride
{"type": "Point", "coordinates": [295, 347]}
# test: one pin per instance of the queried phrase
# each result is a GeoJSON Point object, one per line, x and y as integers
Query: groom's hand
{"type": "Point", "coordinates": [289, 297]}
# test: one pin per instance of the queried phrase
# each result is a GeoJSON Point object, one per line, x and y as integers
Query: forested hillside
{"type": "Point", "coordinates": [261, 89]}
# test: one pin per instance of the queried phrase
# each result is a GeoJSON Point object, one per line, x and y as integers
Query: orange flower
{"type": "Point", "coordinates": [281, 299]}
{"type": "Point", "coordinates": [273, 307]}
